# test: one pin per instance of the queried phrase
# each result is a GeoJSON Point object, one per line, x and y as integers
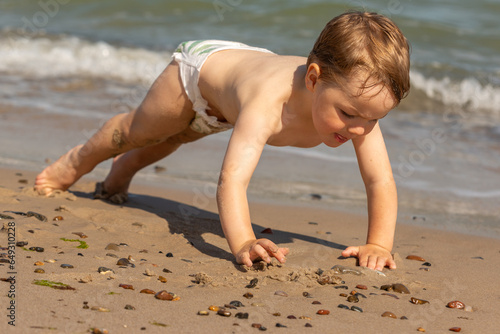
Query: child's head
{"type": "Point", "coordinates": [369, 44]}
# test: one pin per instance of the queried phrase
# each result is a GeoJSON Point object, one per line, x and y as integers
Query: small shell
{"type": "Point", "coordinates": [418, 301]}
{"type": "Point", "coordinates": [415, 258]}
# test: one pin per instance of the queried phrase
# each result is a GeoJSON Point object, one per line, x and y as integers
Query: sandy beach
{"type": "Point", "coordinates": [162, 233]}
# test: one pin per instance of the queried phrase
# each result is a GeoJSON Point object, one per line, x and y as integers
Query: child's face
{"type": "Point", "coordinates": [343, 114]}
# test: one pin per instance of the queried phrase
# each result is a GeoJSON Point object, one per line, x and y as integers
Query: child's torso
{"type": "Point", "coordinates": [231, 79]}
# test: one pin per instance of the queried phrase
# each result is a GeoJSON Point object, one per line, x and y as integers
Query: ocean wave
{"type": "Point", "coordinates": [67, 56]}
{"type": "Point", "coordinates": [469, 93]}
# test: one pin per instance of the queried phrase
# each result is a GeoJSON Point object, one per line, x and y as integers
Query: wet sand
{"type": "Point", "coordinates": [158, 221]}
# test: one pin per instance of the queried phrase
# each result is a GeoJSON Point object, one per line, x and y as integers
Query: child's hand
{"type": "Point", "coordinates": [261, 248]}
{"type": "Point", "coordinates": [371, 256]}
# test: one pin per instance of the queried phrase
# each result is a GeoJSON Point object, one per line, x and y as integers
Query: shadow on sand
{"type": "Point", "coordinates": [193, 223]}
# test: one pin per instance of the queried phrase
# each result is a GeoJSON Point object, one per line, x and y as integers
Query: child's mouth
{"type": "Point", "coordinates": [340, 139]}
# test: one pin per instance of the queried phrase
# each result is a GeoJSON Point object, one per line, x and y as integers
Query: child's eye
{"type": "Point", "coordinates": [346, 114]}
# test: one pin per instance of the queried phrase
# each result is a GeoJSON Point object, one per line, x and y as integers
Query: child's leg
{"type": "Point", "coordinates": [165, 111]}
{"type": "Point", "coordinates": [126, 165]}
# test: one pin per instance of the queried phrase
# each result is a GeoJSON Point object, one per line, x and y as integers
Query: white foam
{"type": "Point", "coordinates": [61, 56]}
{"type": "Point", "coordinates": [468, 92]}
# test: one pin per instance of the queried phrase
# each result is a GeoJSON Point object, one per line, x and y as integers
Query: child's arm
{"type": "Point", "coordinates": [249, 136]}
{"type": "Point", "coordinates": [380, 187]}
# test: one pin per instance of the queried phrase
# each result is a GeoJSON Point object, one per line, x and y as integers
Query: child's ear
{"type": "Point", "coordinates": [312, 76]}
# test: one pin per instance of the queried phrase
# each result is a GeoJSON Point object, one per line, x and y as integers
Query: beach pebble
{"type": "Point", "coordinates": [148, 291]}
{"type": "Point", "coordinates": [213, 308]}
{"type": "Point", "coordinates": [149, 272]}
{"type": "Point", "coordinates": [39, 263]}
{"type": "Point", "coordinates": [306, 294]}
{"type": "Point", "coordinates": [339, 269]}
{"type": "Point", "coordinates": [456, 304]}
{"type": "Point", "coordinates": [169, 255]}
{"type": "Point", "coordinates": [455, 329]}
{"type": "Point", "coordinates": [224, 313]}
{"type": "Point", "coordinates": [267, 231]}
{"type": "Point", "coordinates": [316, 197]}
{"type": "Point", "coordinates": [162, 279]}
{"type": "Point", "coordinates": [353, 299]}
{"type": "Point", "coordinates": [277, 314]}
{"type": "Point", "coordinates": [388, 314]}
{"type": "Point", "coordinates": [468, 308]}
{"type": "Point", "coordinates": [255, 325]}
{"type": "Point", "coordinates": [420, 329]}
{"type": "Point", "coordinates": [126, 286]}
{"type": "Point", "coordinates": [280, 325]}
{"type": "Point", "coordinates": [356, 309]}
{"type": "Point", "coordinates": [112, 246]}
{"type": "Point", "coordinates": [99, 309]}
{"type": "Point", "coordinates": [241, 315]}
{"type": "Point", "coordinates": [39, 271]}
{"type": "Point", "coordinates": [361, 287]}
{"type": "Point", "coordinates": [281, 293]}
{"type": "Point", "coordinates": [259, 304]}
{"type": "Point", "coordinates": [159, 169]}
{"type": "Point", "coordinates": [80, 234]}
{"type": "Point", "coordinates": [415, 258]}
{"type": "Point", "coordinates": [252, 284]}
{"type": "Point", "coordinates": [390, 295]}
{"type": "Point", "coordinates": [323, 312]}
{"type": "Point", "coordinates": [427, 264]}
{"type": "Point", "coordinates": [165, 270]}
{"type": "Point", "coordinates": [129, 307]}
{"type": "Point", "coordinates": [418, 301]}
{"type": "Point", "coordinates": [123, 262]}
{"type": "Point", "coordinates": [316, 302]}
{"type": "Point", "coordinates": [345, 287]}
{"type": "Point", "coordinates": [104, 270]}
{"type": "Point", "coordinates": [291, 317]}
{"type": "Point", "coordinates": [164, 295]}
{"type": "Point", "coordinates": [99, 331]}
{"type": "Point", "coordinates": [50, 261]}
{"type": "Point", "coordinates": [248, 295]}
{"type": "Point", "coordinates": [308, 325]}
{"type": "Point", "coordinates": [236, 303]}
{"type": "Point", "coordinates": [112, 255]}
{"type": "Point", "coordinates": [86, 279]}
{"type": "Point", "coordinates": [398, 287]}
{"type": "Point", "coordinates": [343, 306]}
{"type": "Point", "coordinates": [67, 266]}
{"type": "Point", "coordinates": [203, 313]}
{"type": "Point", "coordinates": [305, 317]}
{"type": "Point", "coordinates": [21, 243]}
{"type": "Point", "coordinates": [38, 216]}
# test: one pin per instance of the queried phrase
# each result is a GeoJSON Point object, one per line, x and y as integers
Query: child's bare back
{"type": "Point", "coordinates": [213, 86]}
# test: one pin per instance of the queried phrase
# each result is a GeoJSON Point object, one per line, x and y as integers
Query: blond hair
{"type": "Point", "coordinates": [363, 42]}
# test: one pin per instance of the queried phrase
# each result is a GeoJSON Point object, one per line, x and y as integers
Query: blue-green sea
{"type": "Point", "coordinates": [443, 140]}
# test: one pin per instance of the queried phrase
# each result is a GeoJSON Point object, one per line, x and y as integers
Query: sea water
{"type": "Point", "coordinates": [90, 60]}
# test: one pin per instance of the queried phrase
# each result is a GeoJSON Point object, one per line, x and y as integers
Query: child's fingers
{"type": "Point", "coordinates": [391, 263]}
{"type": "Point", "coordinates": [261, 252]}
{"type": "Point", "coordinates": [273, 250]}
{"type": "Point", "coordinates": [351, 251]}
{"type": "Point", "coordinates": [245, 259]}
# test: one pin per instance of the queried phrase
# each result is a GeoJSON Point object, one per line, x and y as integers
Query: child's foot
{"type": "Point", "coordinates": [58, 176]}
{"type": "Point", "coordinates": [118, 197]}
